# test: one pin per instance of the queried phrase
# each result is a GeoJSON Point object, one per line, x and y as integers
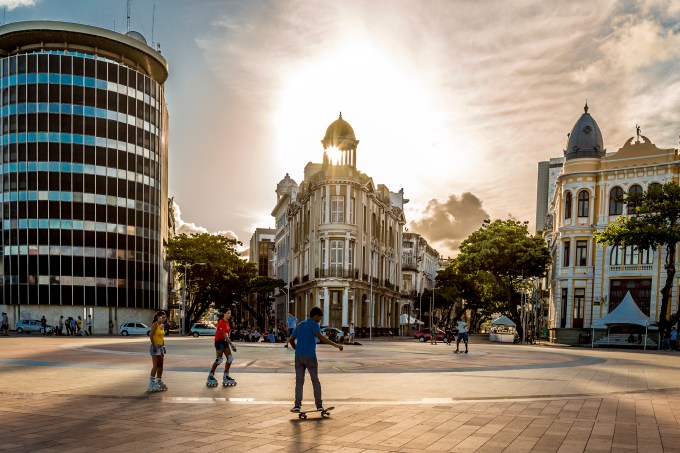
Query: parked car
{"type": "Point", "coordinates": [326, 331]}
{"type": "Point", "coordinates": [424, 335]}
{"type": "Point", "coordinates": [199, 329]}
{"type": "Point", "coordinates": [31, 325]}
{"type": "Point", "coordinates": [134, 328]}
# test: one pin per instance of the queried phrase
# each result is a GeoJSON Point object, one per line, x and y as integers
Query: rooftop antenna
{"type": "Point", "coordinates": [128, 15]}
{"type": "Point", "coordinates": [153, 22]}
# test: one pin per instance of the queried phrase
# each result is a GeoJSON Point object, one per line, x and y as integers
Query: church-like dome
{"type": "Point", "coordinates": [338, 131]}
{"type": "Point", "coordinates": [585, 139]}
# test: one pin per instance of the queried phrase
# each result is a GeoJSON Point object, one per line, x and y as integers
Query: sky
{"type": "Point", "coordinates": [454, 101]}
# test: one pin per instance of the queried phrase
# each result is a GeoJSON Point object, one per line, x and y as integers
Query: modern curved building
{"type": "Point", "coordinates": [84, 173]}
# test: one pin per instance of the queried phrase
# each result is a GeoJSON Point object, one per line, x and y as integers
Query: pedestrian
{"type": "Point", "coordinates": [60, 331]}
{"type": "Point", "coordinates": [462, 335]}
{"type": "Point", "coordinates": [74, 326]}
{"type": "Point", "coordinates": [674, 339]}
{"type": "Point", "coordinates": [110, 327]}
{"type": "Point", "coordinates": [43, 325]}
{"type": "Point", "coordinates": [157, 352]}
{"type": "Point", "coordinates": [433, 334]}
{"type": "Point", "coordinates": [306, 334]}
{"type": "Point", "coordinates": [292, 324]}
{"type": "Point", "coordinates": [4, 325]}
{"type": "Point", "coordinates": [223, 347]}
{"type": "Point", "coordinates": [350, 340]}
{"type": "Point", "coordinates": [89, 325]}
{"type": "Point", "coordinates": [79, 326]}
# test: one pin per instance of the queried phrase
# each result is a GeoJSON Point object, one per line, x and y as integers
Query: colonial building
{"type": "Point", "coordinates": [589, 280]}
{"type": "Point", "coordinates": [346, 240]}
{"type": "Point", "coordinates": [419, 267]}
{"type": "Point", "coordinates": [286, 192]}
{"type": "Point", "coordinates": [84, 174]}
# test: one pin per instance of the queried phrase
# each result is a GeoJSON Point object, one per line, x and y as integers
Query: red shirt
{"type": "Point", "coordinates": [222, 328]}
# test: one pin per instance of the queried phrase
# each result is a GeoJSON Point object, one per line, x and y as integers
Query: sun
{"type": "Point", "coordinates": [334, 155]}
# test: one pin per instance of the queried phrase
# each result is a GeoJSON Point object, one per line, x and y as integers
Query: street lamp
{"type": "Point", "coordinates": [182, 308]}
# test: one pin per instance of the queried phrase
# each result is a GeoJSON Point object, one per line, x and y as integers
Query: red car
{"type": "Point", "coordinates": [424, 335]}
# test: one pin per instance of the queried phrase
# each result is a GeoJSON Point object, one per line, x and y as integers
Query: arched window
{"type": "Point", "coordinates": [654, 186]}
{"type": "Point", "coordinates": [634, 194]}
{"type": "Point", "coordinates": [583, 203]}
{"type": "Point", "coordinates": [567, 205]}
{"type": "Point", "coordinates": [631, 255]}
{"type": "Point", "coordinates": [616, 201]}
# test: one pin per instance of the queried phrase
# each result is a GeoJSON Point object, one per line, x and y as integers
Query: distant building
{"type": "Point", "coordinates": [84, 174]}
{"type": "Point", "coordinates": [286, 192]}
{"type": "Point", "coordinates": [346, 240]}
{"type": "Point", "coordinates": [419, 266]}
{"type": "Point", "coordinates": [589, 280]}
{"type": "Point", "coordinates": [262, 251]}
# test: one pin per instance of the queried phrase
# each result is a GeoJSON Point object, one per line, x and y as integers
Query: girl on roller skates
{"type": "Point", "coordinates": [223, 347]}
{"type": "Point", "coordinates": [157, 352]}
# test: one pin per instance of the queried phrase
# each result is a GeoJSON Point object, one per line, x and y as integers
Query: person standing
{"type": "Point", "coordinates": [4, 325]}
{"type": "Point", "coordinates": [674, 339]}
{"type": "Point", "coordinates": [292, 324]}
{"type": "Point", "coordinates": [79, 326]}
{"type": "Point", "coordinates": [157, 352]}
{"type": "Point", "coordinates": [89, 325]}
{"type": "Point", "coordinates": [43, 325]}
{"type": "Point", "coordinates": [60, 331]}
{"type": "Point", "coordinates": [350, 340]}
{"type": "Point", "coordinates": [462, 335]}
{"type": "Point", "coordinates": [110, 327]}
{"type": "Point", "coordinates": [74, 326]}
{"type": "Point", "coordinates": [223, 346]}
{"type": "Point", "coordinates": [306, 334]}
{"type": "Point", "coordinates": [434, 331]}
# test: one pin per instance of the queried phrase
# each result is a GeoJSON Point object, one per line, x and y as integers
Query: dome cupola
{"type": "Point", "coordinates": [585, 139]}
{"type": "Point", "coordinates": [340, 144]}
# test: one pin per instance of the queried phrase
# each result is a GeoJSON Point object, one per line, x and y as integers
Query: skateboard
{"type": "Point", "coordinates": [324, 413]}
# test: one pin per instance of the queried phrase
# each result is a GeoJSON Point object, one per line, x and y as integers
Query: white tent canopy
{"type": "Point", "coordinates": [406, 319]}
{"type": "Point", "coordinates": [627, 312]}
{"type": "Point", "coordinates": [503, 321]}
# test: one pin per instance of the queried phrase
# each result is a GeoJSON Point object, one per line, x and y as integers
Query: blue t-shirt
{"type": "Point", "coordinates": [305, 334]}
{"type": "Point", "coordinates": [292, 322]}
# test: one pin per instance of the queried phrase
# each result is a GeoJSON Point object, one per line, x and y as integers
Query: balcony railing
{"type": "Point", "coordinates": [337, 273]}
{"type": "Point", "coordinates": [631, 267]}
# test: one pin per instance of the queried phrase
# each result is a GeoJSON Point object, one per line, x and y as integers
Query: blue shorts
{"type": "Point", "coordinates": [221, 345]}
{"type": "Point", "coordinates": [160, 350]}
{"type": "Point", "coordinates": [463, 336]}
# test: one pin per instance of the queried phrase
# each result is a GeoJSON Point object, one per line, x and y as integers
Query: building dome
{"type": "Point", "coordinates": [136, 35]}
{"type": "Point", "coordinates": [338, 131]}
{"type": "Point", "coordinates": [585, 139]}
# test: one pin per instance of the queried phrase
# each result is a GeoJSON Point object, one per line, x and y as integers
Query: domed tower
{"type": "Point", "coordinates": [585, 139]}
{"type": "Point", "coordinates": [285, 186]}
{"type": "Point", "coordinates": [340, 144]}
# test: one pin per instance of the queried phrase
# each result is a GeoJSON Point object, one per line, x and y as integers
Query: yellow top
{"type": "Point", "coordinates": [159, 335]}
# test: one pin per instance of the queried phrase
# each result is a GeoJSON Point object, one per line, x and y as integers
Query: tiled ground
{"type": "Point", "coordinates": [59, 396]}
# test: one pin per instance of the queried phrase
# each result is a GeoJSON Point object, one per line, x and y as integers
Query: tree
{"type": "Point", "coordinates": [653, 224]}
{"type": "Point", "coordinates": [221, 281]}
{"type": "Point", "coordinates": [262, 287]}
{"type": "Point", "coordinates": [504, 250]}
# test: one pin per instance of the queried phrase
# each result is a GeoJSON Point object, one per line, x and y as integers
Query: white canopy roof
{"type": "Point", "coordinates": [626, 313]}
{"type": "Point", "coordinates": [503, 321]}
{"type": "Point", "coordinates": [406, 319]}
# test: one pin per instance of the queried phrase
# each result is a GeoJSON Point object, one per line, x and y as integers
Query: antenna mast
{"type": "Point", "coordinates": [153, 22]}
{"type": "Point", "coordinates": [128, 15]}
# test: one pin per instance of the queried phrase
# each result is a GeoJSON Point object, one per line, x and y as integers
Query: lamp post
{"type": "Point", "coordinates": [182, 311]}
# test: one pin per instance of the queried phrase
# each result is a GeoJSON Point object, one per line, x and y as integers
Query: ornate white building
{"type": "Point", "coordinates": [589, 280]}
{"type": "Point", "coordinates": [345, 240]}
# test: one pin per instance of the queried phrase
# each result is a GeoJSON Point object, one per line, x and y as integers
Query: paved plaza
{"type": "Point", "coordinates": [87, 394]}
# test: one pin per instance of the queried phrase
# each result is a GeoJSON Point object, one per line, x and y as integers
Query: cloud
{"type": "Point", "coordinates": [445, 224]}
{"type": "Point", "coordinates": [12, 4]}
{"type": "Point", "coordinates": [182, 227]}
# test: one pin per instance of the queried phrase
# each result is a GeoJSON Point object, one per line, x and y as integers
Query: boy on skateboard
{"type": "Point", "coordinates": [223, 346]}
{"type": "Point", "coordinates": [306, 334]}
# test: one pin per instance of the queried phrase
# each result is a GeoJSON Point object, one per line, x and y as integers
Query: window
{"type": "Point", "coordinates": [634, 194]}
{"type": "Point", "coordinates": [630, 256]}
{"type": "Point", "coordinates": [567, 205]}
{"type": "Point", "coordinates": [352, 214]}
{"type": "Point", "coordinates": [337, 209]}
{"type": "Point", "coordinates": [581, 253]}
{"type": "Point", "coordinates": [408, 282]}
{"type": "Point", "coordinates": [653, 187]}
{"type": "Point", "coordinates": [616, 201]}
{"type": "Point", "coordinates": [323, 210]}
{"type": "Point", "coordinates": [583, 203]}
{"type": "Point", "coordinates": [350, 263]}
{"type": "Point", "coordinates": [565, 255]}
{"type": "Point", "coordinates": [563, 311]}
{"type": "Point", "coordinates": [337, 252]}
{"type": "Point", "coordinates": [323, 254]}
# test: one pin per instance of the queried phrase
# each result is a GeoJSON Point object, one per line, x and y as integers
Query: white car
{"type": "Point", "coordinates": [134, 328]}
{"type": "Point", "coordinates": [199, 329]}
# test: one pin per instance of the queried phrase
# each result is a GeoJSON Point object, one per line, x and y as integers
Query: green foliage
{"type": "Point", "coordinates": [496, 261]}
{"type": "Point", "coordinates": [222, 280]}
{"type": "Point", "coordinates": [654, 223]}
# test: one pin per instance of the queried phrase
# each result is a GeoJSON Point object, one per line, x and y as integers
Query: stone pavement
{"type": "Point", "coordinates": [87, 394]}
